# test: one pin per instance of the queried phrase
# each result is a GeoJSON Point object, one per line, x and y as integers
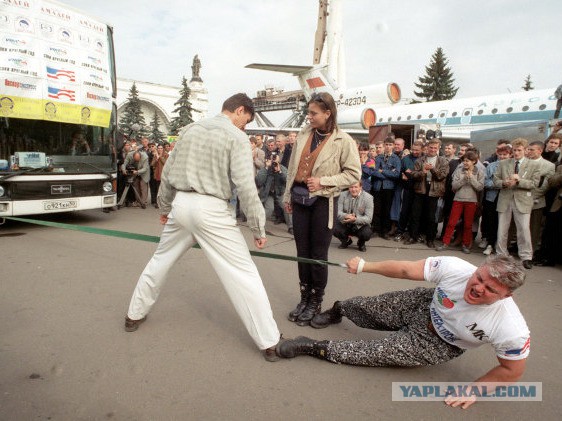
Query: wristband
{"type": "Point", "coordinates": [360, 266]}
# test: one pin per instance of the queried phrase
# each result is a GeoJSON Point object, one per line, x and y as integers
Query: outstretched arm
{"type": "Point", "coordinates": [402, 269]}
{"type": "Point", "coordinates": [509, 371]}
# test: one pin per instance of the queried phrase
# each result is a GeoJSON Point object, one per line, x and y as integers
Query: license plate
{"type": "Point", "coordinates": [60, 204]}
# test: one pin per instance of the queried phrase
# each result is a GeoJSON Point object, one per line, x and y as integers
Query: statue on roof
{"type": "Point", "coordinates": [195, 68]}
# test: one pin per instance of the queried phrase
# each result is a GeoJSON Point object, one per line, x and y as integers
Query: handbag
{"type": "Point", "coordinates": [301, 196]}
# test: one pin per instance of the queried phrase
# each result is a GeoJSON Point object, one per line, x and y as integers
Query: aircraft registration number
{"type": "Point", "coordinates": [350, 102]}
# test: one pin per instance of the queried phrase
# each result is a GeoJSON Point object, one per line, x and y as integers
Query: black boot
{"type": "Point", "coordinates": [327, 318]}
{"type": "Point", "coordinates": [305, 293]}
{"type": "Point", "coordinates": [312, 308]}
{"type": "Point", "coordinates": [302, 346]}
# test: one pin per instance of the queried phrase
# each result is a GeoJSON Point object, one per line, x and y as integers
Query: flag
{"type": "Point", "coordinates": [57, 93]}
{"type": "Point", "coordinates": [53, 73]}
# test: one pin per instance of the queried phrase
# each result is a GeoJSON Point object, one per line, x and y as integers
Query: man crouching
{"type": "Point", "coordinates": [469, 306]}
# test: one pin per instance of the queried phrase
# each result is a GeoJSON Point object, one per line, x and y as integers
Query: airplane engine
{"type": "Point", "coordinates": [382, 94]}
{"type": "Point", "coordinates": [357, 118]}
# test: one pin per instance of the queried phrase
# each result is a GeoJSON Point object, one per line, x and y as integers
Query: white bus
{"type": "Point", "coordinates": [57, 110]}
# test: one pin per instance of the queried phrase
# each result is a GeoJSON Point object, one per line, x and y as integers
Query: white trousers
{"type": "Point", "coordinates": [522, 223]}
{"type": "Point", "coordinates": [208, 221]}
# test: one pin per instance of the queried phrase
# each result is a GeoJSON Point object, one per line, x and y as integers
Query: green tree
{"type": "Point", "coordinates": [183, 109]}
{"type": "Point", "coordinates": [528, 85]}
{"type": "Point", "coordinates": [437, 84]}
{"type": "Point", "coordinates": [155, 134]}
{"type": "Point", "coordinates": [132, 115]}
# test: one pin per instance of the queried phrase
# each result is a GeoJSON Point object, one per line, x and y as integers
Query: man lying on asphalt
{"type": "Point", "coordinates": [468, 307]}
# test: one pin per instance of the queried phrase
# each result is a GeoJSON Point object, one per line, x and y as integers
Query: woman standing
{"type": "Point", "coordinates": [159, 158]}
{"type": "Point", "coordinates": [468, 181]}
{"type": "Point", "coordinates": [323, 162]}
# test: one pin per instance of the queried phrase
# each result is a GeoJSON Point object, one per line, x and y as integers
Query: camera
{"type": "Point", "coordinates": [130, 169]}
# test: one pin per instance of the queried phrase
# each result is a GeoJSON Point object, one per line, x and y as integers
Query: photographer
{"type": "Point", "coordinates": [355, 212]}
{"type": "Point", "coordinates": [271, 181]}
{"type": "Point", "coordinates": [136, 166]}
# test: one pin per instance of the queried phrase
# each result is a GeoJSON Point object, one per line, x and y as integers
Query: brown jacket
{"type": "Point", "coordinates": [438, 176]}
{"type": "Point", "coordinates": [337, 166]}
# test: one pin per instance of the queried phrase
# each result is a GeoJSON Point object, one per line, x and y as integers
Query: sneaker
{"type": "Point", "coordinates": [442, 247]}
{"type": "Point", "coordinates": [483, 244]}
{"type": "Point", "coordinates": [399, 237]}
{"type": "Point", "coordinates": [290, 230]}
{"type": "Point", "coordinates": [489, 250]}
{"type": "Point", "coordinates": [132, 325]}
{"type": "Point", "coordinates": [466, 250]}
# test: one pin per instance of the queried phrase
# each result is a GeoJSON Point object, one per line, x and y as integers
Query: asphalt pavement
{"type": "Point", "coordinates": [64, 354]}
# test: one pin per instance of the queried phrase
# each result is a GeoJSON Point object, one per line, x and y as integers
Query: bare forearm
{"type": "Point", "coordinates": [397, 269]}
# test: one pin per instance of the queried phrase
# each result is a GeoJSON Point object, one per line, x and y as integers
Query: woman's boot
{"type": "Point", "coordinates": [305, 293]}
{"type": "Point", "coordinates": [312, 308]}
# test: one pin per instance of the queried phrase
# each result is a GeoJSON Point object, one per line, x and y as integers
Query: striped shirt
{"type": "Point", "coordinates": [213, 157]}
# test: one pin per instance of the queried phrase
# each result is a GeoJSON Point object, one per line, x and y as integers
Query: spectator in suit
{"type": "Point", "coordinates": [516, 177]}
{"type": "Point", "coordinates": [546, 169]}
{"type": "Point", "coordinates": [355, 211]}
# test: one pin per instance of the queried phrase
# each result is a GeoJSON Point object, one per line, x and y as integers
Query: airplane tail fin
{"type": "Point", "coordinates": [311, 78]}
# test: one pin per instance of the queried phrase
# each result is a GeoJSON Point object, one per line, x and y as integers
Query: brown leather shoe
{"type": "Point", "coordinates": [132, 325]}
{"type": "Point", "coordinates": [270, 355]}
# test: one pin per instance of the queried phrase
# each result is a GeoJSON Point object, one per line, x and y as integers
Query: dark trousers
{"type": "Point", "coordinates": [376, 222]}
{"type": "Point", "coordinates": [386, 198]}
{"type": "Point", "coordinates": [423, 209]}
{"type": "Point", "coordinates": [552, 233]}
{"type": "Point", "coordinates": [406, 210]}
{"type": "Point", "coordinates": [490, 221]}
{"type": "Point", "coordinates": [154, 185]}
{"type": "Point", "coordinates": [313, 238]}
{"type": "Point", "coordinates": [343, 231]}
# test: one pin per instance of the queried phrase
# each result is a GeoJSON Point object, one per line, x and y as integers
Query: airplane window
{"type": "Point", "coordinates": [419, 116]}
{"type": "Point", "coordinates": [389, 118]}
{"type": "Point", "coordinates": [480, 112]}
{"type": "Point", "coordinates": [430, 116]}
{"type": "Point", "coordinates": [494, 111]}
{"type": "Point", "coordinates": [525, 108]}
{"type": "Point", "coordinates": [399, 118]}
{"type": "Point", "coordinates": [509, 109]}
{"type": "Point", "coordinates": [467, 113]}
{"type": "Point", "coordinates": [454, 114]}
{"type": "Point", "coordinates": [542, 107]}
{"type": "Point", "coordinates": [380, 120]}
{"type": "Point", "coordinates": [409, 117]}
{"type": "Point", "coordinates": [442, 115]}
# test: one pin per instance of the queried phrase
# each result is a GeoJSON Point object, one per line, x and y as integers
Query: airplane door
{"type": "Point", "coordinates": [466, 116]}
{"type": "Point", "coordinates": [442, 117]}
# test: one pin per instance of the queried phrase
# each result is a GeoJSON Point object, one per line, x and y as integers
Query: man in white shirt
{"type": "Point", "coordinates": [468, 307]}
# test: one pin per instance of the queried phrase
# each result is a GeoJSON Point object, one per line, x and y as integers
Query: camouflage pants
{"type": "Point", "coordinates": [406, 315]}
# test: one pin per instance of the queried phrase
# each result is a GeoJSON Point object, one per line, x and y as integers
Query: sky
{"type": "Point", "coordinates": [491, 45]}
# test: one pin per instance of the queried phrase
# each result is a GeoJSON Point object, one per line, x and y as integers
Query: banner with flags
{"type": "Point", "coordinates": [55, 64]}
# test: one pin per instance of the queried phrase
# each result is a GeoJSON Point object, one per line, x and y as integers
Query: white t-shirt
{"type": "Point", "coordinates": [467, 325]}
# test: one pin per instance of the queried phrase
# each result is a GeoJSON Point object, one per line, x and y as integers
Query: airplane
{"type": "Point", "coordinates": [376, 105]}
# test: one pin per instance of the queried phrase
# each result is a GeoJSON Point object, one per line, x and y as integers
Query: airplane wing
{"type": "Point", "coordinates": [283, 68]}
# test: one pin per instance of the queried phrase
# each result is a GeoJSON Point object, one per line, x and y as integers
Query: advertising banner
{"type": "Point", "coordinates": [55, 64]}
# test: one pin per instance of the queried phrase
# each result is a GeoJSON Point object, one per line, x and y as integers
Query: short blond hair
{"type": "Point", "coordinates": [515, 143]}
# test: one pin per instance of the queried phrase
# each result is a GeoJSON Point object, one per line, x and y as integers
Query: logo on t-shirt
{"type": "Point", "coordinates": [444, 300]}
{"type": "Point", "coordinates": [477, 333]}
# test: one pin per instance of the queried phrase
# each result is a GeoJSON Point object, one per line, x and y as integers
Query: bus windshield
{"type": "Point", "coordinates": [58, 147]}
